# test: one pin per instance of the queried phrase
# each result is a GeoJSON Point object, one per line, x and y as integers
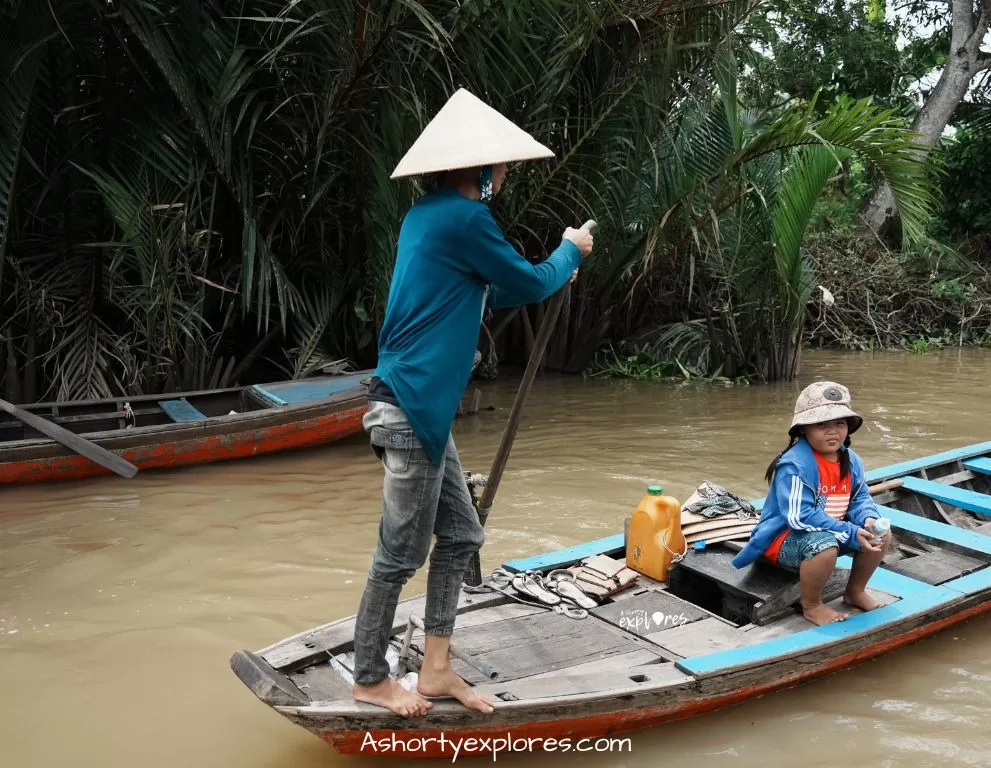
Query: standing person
{"type": "Point", "coordinates": [452, 261]}
{"type": "Point", "coordinates": [818, 506]}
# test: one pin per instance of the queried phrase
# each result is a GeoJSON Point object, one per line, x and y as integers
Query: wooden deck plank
{"type": "Point", "coordinates": [972, 501]}
{"type": "Point", "coordinates": [705, 636]}
{"type": "Point", "coordinates": [544, 642]}
{"type": "Point", "coordinates": [650, 611]}
{"type": "Point", "coordinates": [936, 567]}
{"type": "Point", "coordinates": [568, 683]}
{"type": "Point", "coordinates": [645, 656]}
{"type": "Point", "coordinates": [981, 464]}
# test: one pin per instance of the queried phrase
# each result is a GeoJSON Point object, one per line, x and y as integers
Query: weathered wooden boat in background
{"type": "Point", "coordinates": [154, 431]}
{"type": "Point", "coordinates": [738, 634]}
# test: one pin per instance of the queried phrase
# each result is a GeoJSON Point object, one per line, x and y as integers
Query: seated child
{"type": "Point", "coordinates": [818, 506]}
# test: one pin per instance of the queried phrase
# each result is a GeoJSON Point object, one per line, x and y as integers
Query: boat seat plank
{"type": "Point", "coordinates": [568, 556]}
{"type": "Point", "coordinates": [972, 501]}
{"type": "Point", "coordinates": [308, 390]}
{"type": "Point", "coordinates": [981, 464]}
{"type": "Point", "coordinates": [933, 529]}
{"type": "Point", "coordinates": [544, 642]}
{"type": "Point", "coordinates": [936, 567]}
{"type": "Point", "coordinates": [923, 601]}
{"type": "Point", "coordinates": [181, 411]}
{"type": "Point", "coordinates": [758, 582]}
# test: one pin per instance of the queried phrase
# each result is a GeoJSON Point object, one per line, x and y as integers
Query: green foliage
{"type": "Point", "coordinates": [192, 181]}
{"type": "Point", "coordinates": [966, 193]}
{"type": "Point", "coordinates": [840, 48]}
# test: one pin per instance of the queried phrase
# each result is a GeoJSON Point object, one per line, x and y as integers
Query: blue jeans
{"type": "Point", "coordinates": [420, 500]}
{"type": "Point", "coordinates": [804, 545]}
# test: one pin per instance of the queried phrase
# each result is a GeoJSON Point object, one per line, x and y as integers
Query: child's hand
{"type": "Point", "coordinates": [865, 538]}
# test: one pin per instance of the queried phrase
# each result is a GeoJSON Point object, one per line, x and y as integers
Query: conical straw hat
{"type": "Point", "coordinates": [468, 133]}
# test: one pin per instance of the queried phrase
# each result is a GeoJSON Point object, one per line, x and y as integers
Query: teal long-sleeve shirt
{"type": "Point", "coordinates": [452, 259]}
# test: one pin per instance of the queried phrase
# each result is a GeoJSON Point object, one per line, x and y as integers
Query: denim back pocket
{"type": "Point", "coordinates": [392, 446]}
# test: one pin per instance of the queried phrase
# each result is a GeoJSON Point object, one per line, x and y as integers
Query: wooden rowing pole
{"type": "Point", "coordinates": [473, 574]}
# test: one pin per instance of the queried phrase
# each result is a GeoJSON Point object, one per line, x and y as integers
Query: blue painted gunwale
{"type": "Point", "coordinates": [919, 599]}
{"type": "Point", "coordinates": [915, 465]}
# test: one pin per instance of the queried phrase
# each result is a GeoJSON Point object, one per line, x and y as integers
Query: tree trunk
{"type": "Point", "coordinates": [969, 25]}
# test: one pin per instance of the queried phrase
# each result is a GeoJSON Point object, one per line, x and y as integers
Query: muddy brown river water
{"type": "Point", "coordinates": [122, 601]}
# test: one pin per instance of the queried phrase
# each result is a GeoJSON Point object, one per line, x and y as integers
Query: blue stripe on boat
{"type": "Point", "coordinates": [180, 410]}
{"type": "Point", "coordinates": [308, 390]}
{"type": "Point", "coordinates": [971, 583]}
{"type": "Point", "coordinates": [958, 497]}
{"type": "Point", "coordinates": [982, 465]}
{"type": "Point", "coordinates": [908, 467]}
{"type": "Point", "coordinates": [888, 581]}
{"type": "Point", "coordinates": [267, 396]}
{"type": "Point", "coordinates": [936, 530]}
{"type": "Point", "coordinates": [566, 556]}
{"type": "Point", "coordinates": [809, 639]}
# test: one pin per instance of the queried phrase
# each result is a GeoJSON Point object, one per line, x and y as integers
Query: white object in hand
{"type": "Point", "coordinates": [880, 528]}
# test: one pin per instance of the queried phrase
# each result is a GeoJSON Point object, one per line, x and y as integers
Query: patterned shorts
{"type": "Point", "coordinates": [804, 545]}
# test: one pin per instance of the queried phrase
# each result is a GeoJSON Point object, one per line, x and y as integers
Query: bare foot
{"type": "Point", "coordinates": [445, 682]}
{"type": "Point", "coordinates": [391, 695]}
{"type": "Point", "coordinates": [861, 600]}
{"type": "Point", "coordinates": [822, 614]}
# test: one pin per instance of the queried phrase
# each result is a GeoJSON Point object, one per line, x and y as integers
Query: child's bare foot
{"type": "Point", "coordinates": [391, 695]}
{"type": "Point", "coordinates": [861, 600]}
{"type": "Point", "coordinates": [822, 614]}
{"type": "Point", "coordinates": [445, 682]}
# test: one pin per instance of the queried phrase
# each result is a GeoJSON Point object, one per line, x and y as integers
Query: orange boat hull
{"type": "Point", "coordinates": [205, 449]}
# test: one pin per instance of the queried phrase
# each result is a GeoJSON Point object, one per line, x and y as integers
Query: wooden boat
{"type": "Point", "coordinates": [738, 634]}
{"type": "Point", "coordinates": [153, 431]}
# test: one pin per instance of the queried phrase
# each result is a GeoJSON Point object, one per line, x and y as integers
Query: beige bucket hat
{"type": "Point", "coordinates": [468, 133]}
{"type": "Point", "coordinates": [824, 401]}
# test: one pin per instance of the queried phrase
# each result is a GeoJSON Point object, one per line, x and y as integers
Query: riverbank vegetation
{"type": "Point", "coordinates": [194, 194]}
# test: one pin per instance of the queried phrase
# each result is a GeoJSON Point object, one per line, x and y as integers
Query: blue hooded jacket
{"type": "Point", "coordinates": [794, 502]}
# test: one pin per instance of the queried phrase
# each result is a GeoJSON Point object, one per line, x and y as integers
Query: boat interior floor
{"type": "Point", "coordinates": [708, 616]}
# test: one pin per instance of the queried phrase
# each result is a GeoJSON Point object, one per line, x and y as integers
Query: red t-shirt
{"type": "Point", "coordinates": [833, 487]}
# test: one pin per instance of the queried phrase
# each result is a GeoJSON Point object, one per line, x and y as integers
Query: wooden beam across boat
{"type": "Point", "coordinates": [972, 501]}
{"type": "Point", "coordinates": [981, 464]}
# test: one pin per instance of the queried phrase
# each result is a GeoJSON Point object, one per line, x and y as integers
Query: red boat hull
{"type": "Point", "coordinates": [205, 449]}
